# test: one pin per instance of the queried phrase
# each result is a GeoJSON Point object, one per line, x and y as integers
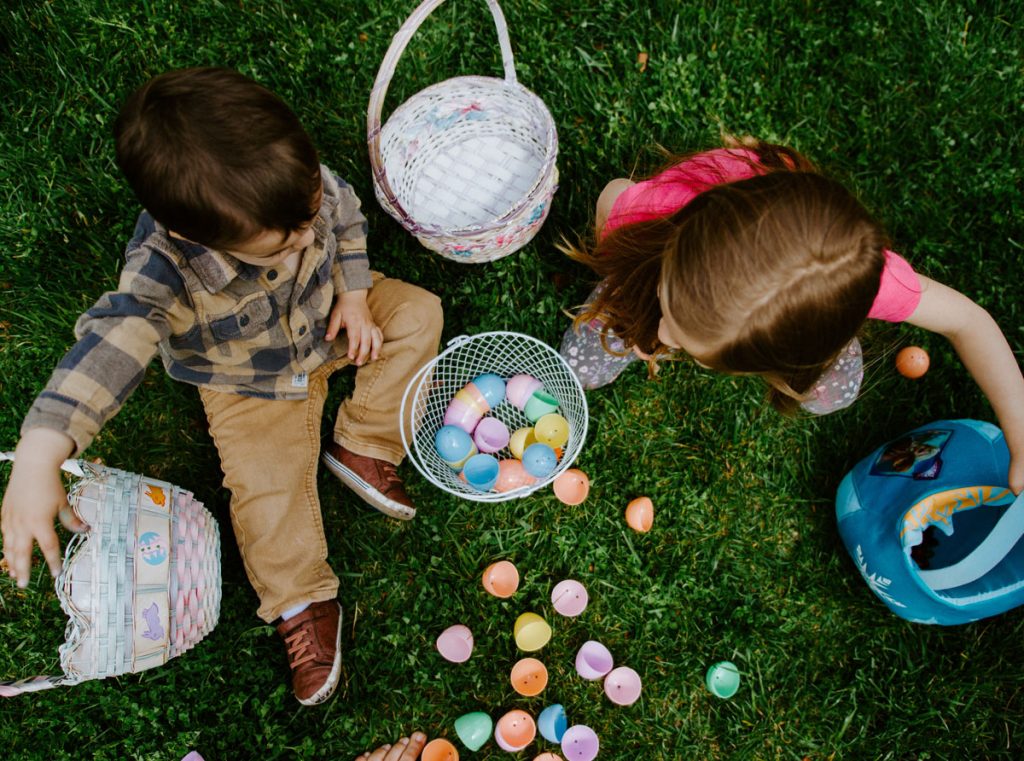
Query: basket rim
{"type": "Point", "coordinates": [413, 389]}
{"type": "Point", "coordinates": [544, 177]}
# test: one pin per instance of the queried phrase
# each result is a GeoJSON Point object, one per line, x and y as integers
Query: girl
{"type": "Point", "coordinates": [750, 261]}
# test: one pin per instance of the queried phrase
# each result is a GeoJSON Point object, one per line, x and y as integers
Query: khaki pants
{"type": "Point", "coordinates": [270, 449]}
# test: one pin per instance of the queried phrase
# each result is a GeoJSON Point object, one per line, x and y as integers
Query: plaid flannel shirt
{"type": "Point", "coordinates": [216, 321]}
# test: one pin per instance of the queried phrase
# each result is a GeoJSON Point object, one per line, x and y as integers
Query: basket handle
{"type": "Point", "coordinates": [387, 71]}
{"type": "Point", "coordinates": [74, 467]}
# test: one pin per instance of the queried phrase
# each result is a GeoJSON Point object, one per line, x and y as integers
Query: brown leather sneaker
{"type": "Point", "coordinates": [313, 639]}
{"type": "Point", "coordinates": [375, 481]}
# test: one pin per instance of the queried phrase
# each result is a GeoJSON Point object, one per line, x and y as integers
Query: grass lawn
{"type": "Point", "coordinates": [918, 106]}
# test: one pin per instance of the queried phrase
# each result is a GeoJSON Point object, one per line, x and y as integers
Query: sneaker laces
{"type": "Point", "coordinates": [389, 473]}
{"type": "Point", "coordinates": [299, 648]}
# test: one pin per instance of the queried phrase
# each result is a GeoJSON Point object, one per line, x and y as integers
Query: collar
{"type": "Point", "coordinates": [216, 269]}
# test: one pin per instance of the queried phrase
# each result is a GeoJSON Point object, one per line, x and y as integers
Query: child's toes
{"type": "Point", "coordinates": [416, 743]}
{"type": "Point", "coordinates": [397, 752]}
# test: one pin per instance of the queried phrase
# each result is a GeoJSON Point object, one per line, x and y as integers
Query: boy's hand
{"type": "Point", "coordinates": [35, 495]}
{"type": "Point", "coordinates": [1016, 474]}
{"type": "Point", "coordinates": [351, 312]}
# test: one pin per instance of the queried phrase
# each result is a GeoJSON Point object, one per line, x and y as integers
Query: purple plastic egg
{"type": "Point", "coordinates": [455, 643]}
{"type": "Point", "coordinates": [569, 597]}
{"type": "Point", "coordinates": [491, 435]}
{"type": "Point", "coordinates": [580, 743]}
{"type": "Point", "coordinates": [462, 415]}
{"type": "Point", "coordinates": [622, 686]}
{"type": "Point", "coordinates": [593, 660]}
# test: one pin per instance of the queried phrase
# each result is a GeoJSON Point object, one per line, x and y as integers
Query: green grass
{"type": "Point", "coordinates": [918, 106]}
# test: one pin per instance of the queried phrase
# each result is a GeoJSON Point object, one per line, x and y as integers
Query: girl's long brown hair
{"type": "Point", "coordinates": [776, 272]}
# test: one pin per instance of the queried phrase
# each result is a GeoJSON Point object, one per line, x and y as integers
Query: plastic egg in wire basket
{"type": "Point", "coordinates": [505, 354]}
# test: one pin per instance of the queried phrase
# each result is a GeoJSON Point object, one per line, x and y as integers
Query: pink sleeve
{"type": "Point", "coordinates": [899, 291]}
{"type": "Point", "coordinates": [668, 192]}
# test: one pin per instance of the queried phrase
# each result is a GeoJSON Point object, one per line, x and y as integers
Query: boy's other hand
{"type": "Point", "coordinates": [35, 495]}
{"type": "Point", "coordinates": [351, 312]}
{"type": "Point", "coordinates": [406, 749]}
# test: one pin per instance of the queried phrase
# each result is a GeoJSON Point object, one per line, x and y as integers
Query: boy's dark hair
{"type": "Point", "coordinates": [216, 157]}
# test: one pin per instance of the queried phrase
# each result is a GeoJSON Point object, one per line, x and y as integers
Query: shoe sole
{"type": "Point", "coordinates": [366, 492]}
{"type": "Point", "coordinates": [331, 683]}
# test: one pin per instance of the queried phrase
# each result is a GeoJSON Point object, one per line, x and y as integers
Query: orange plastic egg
{"type": "Point", "coordinates": [572, 486]}
{"type": "Point", "coordinates": [640, 514]}
{"type": "Point", "coordinates": [529, 677]}
{"type": "Point", "coordinates": [439, 750]}
{"type": "Point", "coordinates": [501, 579]}
{"type": "Point", "coordinates": [548, 757]}
{"type": "Point", "coordinates": [517, 728]}
{"type": "Point", "coordinates": [912, 362]}
{"type": "Point", "coordinates": [512, 475]}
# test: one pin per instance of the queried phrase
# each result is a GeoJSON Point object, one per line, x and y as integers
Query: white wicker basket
{"type": "Point", "coordinates": [506, 354]}
{"type": "Point", "coordinates": [141, 585]}
{"type": "Point", "coordinates": [466, 165]}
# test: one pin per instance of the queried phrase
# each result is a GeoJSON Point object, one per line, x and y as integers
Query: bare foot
{"type": "Point", "coordinates": [406, 749]}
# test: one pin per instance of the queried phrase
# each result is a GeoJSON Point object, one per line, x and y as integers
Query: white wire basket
{"type": "Point", "coordinates": [505, 354]}
{"type": "Point", "coordinates": [141, 586]}
{"type": "Point", "coordinates": [466, 165]}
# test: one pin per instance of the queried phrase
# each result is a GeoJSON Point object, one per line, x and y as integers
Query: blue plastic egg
{"type": "Point", "coordinates": [454, 445]}
{"type": "Point", "coordinates": [481, 472]}
{"type": "Point", "coordinates": [539, 460]}
{"type": "Point", "coordinates": [552, 723]}
{"type": "Point", "coordinates": [492, 387]}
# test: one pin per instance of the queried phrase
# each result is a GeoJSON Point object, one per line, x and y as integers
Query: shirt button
{"type": "Point", "coordinates": [272, 275]}
{"type": "Point", "coordinates": [244, 320]}
{"type": "Point", "coordinates": [307, 352]}
{"type": "Point", "coordinates": [302, 330]}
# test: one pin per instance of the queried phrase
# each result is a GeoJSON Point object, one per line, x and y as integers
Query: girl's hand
{"type": "Point", "coordinates": [351, 312]}
{"type": "Point", "coordinates": [35, 496]}
{"type": "Point", "coordinates": [406, 749]}
{"type": "Point", "coordinates": [1017, 474]}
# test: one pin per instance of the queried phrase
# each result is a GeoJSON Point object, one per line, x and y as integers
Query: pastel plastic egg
{"type": "Point", "coordinates": [579, 743]}
{"type": "Point", "coordinates": [520, 440]}
{"type": "Point", "coordinates": [529, 677]}
{"type": "Point", "coordinates": [723, 679]}
{"type": "Point", "coordinates": [474, 729]}
{"type": "Point", "coordinates": [552, 723]}
{"type": "Point", "coordinates": [539, 460]}
{"type": "Point", "coordinates": [572, 486]}
{"type": "Point", "coordinates": [531, 632]}
{"type": "Point", "coordinates": [481, 472]}
{"type": "Point", "coordinates": [512, 475]}
{"type": "Point", "coordinates": [640, 514]}
{"type": "Point", "coordinates": [593, 660]}
{"type": "Point", "coordinates": [491, 435]}
{"type": "Point", "coordinates": [539, 405]}
{"type": "Point", "coordinates": [515, 730]}
{"type": "Point", "coordinates": [492, 387]}
{"type": "Point", "coordinates": [548, 757]}
{"type": "Point", "coordinates": [455, 643]}
{"type": "Point", "coordinates": [501, 579]}
{"type": "Point", "coordinates": [622, 686]}
{"type": "Point", "coordinates": [520, 388]}
{"type": "Point", "coordinates": [470, 394]}
{"type": "Point", "coordinates": [453, 445]}
{"type": "Point", "coordinates": [462, 415]}
{"type": "Point", "coordinates": [552, 429]}
{"type": "Point", "coordinates": [912, 362]}
{"type": "Point", "coordinates": [439, 750]}
{"type": "Point", "coordinates": [569, 597]}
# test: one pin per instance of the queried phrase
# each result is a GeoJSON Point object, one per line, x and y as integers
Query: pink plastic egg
{"type": "Point", "coordinates": [462, 415]}
{"type": "Point", "coordinates": [512, 475]}
{"type": "Point", "coordinates": [455, 643]}
{"type": "Point", "coordinates": [622, 686]}
{"type": "Point", "coordinates": [569, 597]}
{"type": "Point", "coordinates": [520, 388]}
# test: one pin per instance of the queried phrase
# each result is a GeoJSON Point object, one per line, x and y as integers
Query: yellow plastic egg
{"type": "Point", "coordinates": [531, 632]}
{"type": "Point", "coordinates": [552, 430]}
{"type": "Point", "coordinates": [520, 440]}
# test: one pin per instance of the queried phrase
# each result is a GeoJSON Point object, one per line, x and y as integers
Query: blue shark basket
{"type": "Point", "coordinates": [933, 527]}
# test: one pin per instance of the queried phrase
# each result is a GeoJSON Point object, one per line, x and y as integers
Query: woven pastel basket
{"type": "Point", "coordinates": [140, 586]}
{"type": "Point", "coordinates": [466, 165]}
{"type": "Point", "coordinates": [506, 354]}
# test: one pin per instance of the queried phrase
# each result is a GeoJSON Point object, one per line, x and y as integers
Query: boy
{"type": "Point", "coordinates": [248, 273]}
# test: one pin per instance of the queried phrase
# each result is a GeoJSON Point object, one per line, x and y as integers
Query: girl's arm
{"type": "Point", "coordinates": [987, 357]}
